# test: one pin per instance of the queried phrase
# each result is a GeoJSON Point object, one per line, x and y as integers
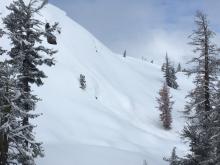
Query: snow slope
{"type": "Point", "coordinates": [122, 125]}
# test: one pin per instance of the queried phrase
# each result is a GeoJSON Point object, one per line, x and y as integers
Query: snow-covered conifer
{"type": "Point", "coordinates": [1, 34]}
{"type": "Point", "coordinates": [215, 117]}
{"type": "Point", "coordinates": [174, 159]}
{"type": "Point", "coordinates": [199, 130]}
{"type": "Point", "coordinates": [3, 135]}
{"type": "Point", "coordinates": [6, 95]}
{"type": "Point", "coordinates": [12, 131]}
{"type": "Point", "coordinates": [169, 73]}
{"type": "Point", "coordinates": [163, 67]}
{"type": "Point", "coordinates": [26, 55]}
{"type": "Point", "coordinates": [179, 68]}
{"type": "Point", "coordinates": [82, 81]}
{"type": "Point", "coordinates": [173, 78]}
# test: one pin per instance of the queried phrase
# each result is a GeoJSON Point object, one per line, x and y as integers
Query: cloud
{"type": "Point", "coordinates": [144, 27]}
{"type": "Point", "coordinates": [157, 42]}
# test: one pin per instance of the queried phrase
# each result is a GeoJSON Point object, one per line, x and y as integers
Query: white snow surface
{"type": "Point", "coordinates": [121, 126]}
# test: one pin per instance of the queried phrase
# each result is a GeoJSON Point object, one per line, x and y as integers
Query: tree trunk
{"type": "Point", "coordinates": [206, 76]}
{"type": "Point", "coordinates": [26, 89]}
{"type": "Point", "coordinates": [3, 148]}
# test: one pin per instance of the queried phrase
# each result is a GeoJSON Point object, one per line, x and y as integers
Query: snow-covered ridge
{"type": "Point", "coordinates": [115, 116]}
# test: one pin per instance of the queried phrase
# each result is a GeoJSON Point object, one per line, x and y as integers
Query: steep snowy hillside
{"type": "Point", "coordinates": [114, 121]}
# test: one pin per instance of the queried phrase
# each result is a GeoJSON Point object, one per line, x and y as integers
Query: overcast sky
{"type": "Point", "coordinates": [146, 28]}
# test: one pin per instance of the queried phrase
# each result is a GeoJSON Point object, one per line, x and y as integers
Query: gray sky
{"type": "Point", "coordinates": [146, 28]}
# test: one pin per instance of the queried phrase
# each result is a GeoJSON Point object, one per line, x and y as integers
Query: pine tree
{"type": "Point", "coordinates": [145, 162]}
{"type": "Point", "coordinates": [199, 131]}
{"type": "Point", "coordinates": [163, 67]}
{"type": "Point", "coordinates": [3, 135]}
{"type": "Point", "coordinates": [1, 34]}
{"type": "Point", "coordinates": [179, 68]}
{"type": "Point", "coordinates": [173, 78]}
{"type": "Point", "coordinates": [4, 112]}
{"type": "Point", "coordinates": [82, 81]}
{"type": "Point", "coordinates": [174, 159]}
{"type": "Point", "coordinates": [216, 128]}
{"type": "Point", "coordinates": [165, 106]}
{"type": "Point", "coordinates": [26, 55]}
{"type": "Point", "coordinates": [11, 113]}
{"type": "Point", "coordinates": [169, 73]}
{"type": "Point", "coordinates": [125, 54]}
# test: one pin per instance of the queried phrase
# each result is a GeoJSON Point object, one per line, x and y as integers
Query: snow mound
{"type": "Point", "coordinates": [114, 121]}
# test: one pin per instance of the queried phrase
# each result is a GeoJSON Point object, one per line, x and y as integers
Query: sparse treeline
{"type": "Point", "coordinates": [17, 73]}
{"type": "Point", "coordinates": [202, 110]}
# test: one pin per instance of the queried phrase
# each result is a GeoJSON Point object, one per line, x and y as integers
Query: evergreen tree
{"type": "Point", "coordinates": [5, 110]}
{"type": "Point", "coordinates": [216, 128]}
{"type": "Point", "coordinates": [199, 131]}
{"type": "Point", "coordinates": [165, 106]}
{"type": "Point", "coordinates": [174, 159]}
{"type": "Point", "coordinates": [169, 73]}
{"type": "Point", "coordinates": [26, 55]}
{"type": "Point", "coordinates": [173, 78]}
{"type": "Point", "coordinates": [125, 54]}
{"type": "Point", "coordinates": [179, 68]}
{"type": "Point", "coordinates": [3, 135]}
{"type": "Point", "coordinates": [145, 162]}
{"type": "Point", "coordinates": [11, 113]}
{"type": "Point", "coordinates": [82, 81]}
{"type": "Point", "coordinates": [1, 34]}
{"type": "Point", "coordinates": [163, 67]}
